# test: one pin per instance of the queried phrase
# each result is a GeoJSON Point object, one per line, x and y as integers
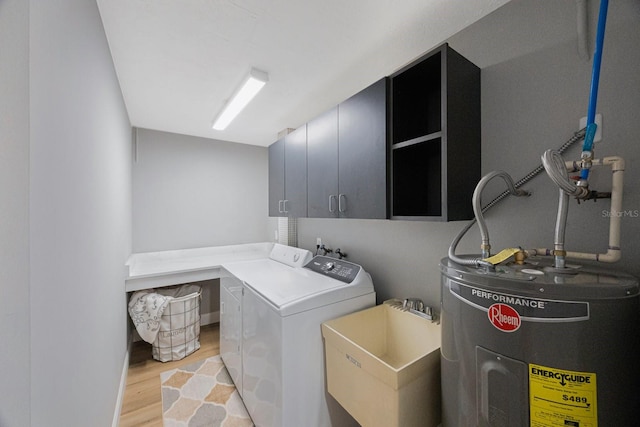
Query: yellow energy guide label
{"type": "Point", "coordinates": [559, 398]}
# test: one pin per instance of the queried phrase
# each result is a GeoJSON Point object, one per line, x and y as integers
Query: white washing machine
{"type": "Point", "coordinates": [270, 336]}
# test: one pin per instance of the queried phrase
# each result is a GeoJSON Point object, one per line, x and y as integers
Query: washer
{"type": "Point", "coordinates": [270, 336]}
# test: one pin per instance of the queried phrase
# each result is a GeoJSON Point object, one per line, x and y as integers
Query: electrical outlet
{"type": "Point", "coordinates": [598, 135]}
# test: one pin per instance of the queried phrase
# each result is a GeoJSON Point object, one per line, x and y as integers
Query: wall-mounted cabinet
{"type": "Point", "coordinates": [406, 147]}
{"type": "Point", "coordinates": [322, 165]}
{"type": "Point", "coordinates": [346, 157]}
{"type": "Point", "coordinates": [435, 137]}
{"type": "Point", "coordinates": [362, 153]}
{"type": "Point", "coordinates": [276, 178]}
{"type": "Point", "coordinates": [288, 175]}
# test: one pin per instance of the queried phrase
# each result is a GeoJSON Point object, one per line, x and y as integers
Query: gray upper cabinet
{"type": "Point", "coordinates": [435, 137]}
{"type": "Point", "coordinates": [406, 147]}
{"type": "Point", "coordinates": [322, 165]}
{"type": "Point", "coordinates": [276, 178]}
{"type": "Point", "coordinates": [362, 153]}
{"type": "Point", "coordinates": [346, 157]}
{"type": "Point", "coordinates": [288, 175]}
{"type": "Point", "coordinates": [295, 173]}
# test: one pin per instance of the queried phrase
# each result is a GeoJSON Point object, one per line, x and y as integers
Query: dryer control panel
{"type": "Point", "coordinates": [338, 269]}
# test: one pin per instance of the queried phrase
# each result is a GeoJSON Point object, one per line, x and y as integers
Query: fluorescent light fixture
{"type": "Point", "coordinates": [250, 87]}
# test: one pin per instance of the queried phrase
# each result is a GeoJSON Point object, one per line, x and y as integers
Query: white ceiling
{"type": "Point", "coordinates": [178, 61]}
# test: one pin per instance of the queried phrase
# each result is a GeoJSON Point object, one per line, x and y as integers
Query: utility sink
{"type": "Point", "coordinates": [383, 367]}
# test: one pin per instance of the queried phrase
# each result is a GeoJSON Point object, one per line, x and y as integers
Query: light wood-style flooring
{"type": "Point", "coordinates": [142, 402]}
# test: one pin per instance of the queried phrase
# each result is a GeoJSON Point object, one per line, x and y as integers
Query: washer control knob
{"type": "Point", "coordinates": [330, 266]}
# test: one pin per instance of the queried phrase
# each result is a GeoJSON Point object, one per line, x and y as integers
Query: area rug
{"type": "Point", "coordinates": [202, 394]}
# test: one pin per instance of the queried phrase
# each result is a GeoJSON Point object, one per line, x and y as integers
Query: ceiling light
{"type": "Point", "coordinates": [250, 87]}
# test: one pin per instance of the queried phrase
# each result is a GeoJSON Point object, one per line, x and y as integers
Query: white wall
{"type": "Point", "coordinates": [80, 217]}
{"type": "Point", "coordinates": [534, 89]}
{"type": "Point", "coordinates": [14, 213]}
{"type": "Point", "coordinates": [191, 192]}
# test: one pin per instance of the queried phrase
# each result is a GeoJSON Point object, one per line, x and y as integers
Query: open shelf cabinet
{"type": "Point", "coordinates": [435, 137]}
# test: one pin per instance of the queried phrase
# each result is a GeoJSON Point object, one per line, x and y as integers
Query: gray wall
{"type": "Point", "coordinates": [533, 102]}
{"type": "Point", "coordinates": [79, 218]}
{"type": "Point", "coordinates": [534, 90]}
{"type": "Point", "coordinates": [14, 213]}
{"type": "Point", "coordinates": [191, 192]}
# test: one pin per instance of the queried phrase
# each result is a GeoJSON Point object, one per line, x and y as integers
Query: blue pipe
{"type": "Point", "coordinates": [595, 80]}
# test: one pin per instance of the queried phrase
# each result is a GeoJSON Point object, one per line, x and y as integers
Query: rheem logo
{"type": "Point", "coordinates": [504, 317]}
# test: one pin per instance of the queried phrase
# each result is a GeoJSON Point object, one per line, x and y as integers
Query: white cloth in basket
{"type": "Point", "coordinates": [146, 308]}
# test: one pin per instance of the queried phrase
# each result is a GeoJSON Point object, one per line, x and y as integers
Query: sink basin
{"type": "Point", "coordinates": [383, 367]}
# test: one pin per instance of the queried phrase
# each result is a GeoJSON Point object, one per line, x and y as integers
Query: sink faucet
{"type": "Point", "coordinates": [416, 306]}
{"type": "Point", "coordinates": [428, 313]}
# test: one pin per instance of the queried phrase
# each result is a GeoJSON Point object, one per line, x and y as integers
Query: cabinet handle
{"type": "Point", "coordinates": [285, 206]}
{"type": "Point", "coordinates": [331, 198]}
{"type": "Point", "coordinates": [280, 206]}
{"type": "Point", "coordinates": [342, 208]}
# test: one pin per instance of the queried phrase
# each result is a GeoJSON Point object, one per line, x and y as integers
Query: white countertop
{"type": "Point", "coordinates": [166, 268]}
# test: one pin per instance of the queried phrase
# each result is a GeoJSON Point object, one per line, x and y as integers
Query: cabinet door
{"type": "Point", "coordinates": [295, 173]}
{"type": "Point", "coordinates": [362, 158]}
{"type": "Point", "coordinates": [276, 178]}
{"type": "Point", "coordinates": [231, 328]}
{"type": "Point", "coordinates": [322, 165]}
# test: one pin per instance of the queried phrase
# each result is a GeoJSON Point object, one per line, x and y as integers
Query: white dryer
{"type": "Point", "coordinates": [271, 338]}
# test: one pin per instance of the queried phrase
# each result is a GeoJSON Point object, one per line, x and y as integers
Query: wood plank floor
{"type": "Point", "coordinates": [142, 402]}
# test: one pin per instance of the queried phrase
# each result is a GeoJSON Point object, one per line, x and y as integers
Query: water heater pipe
{"type": "Point", "coordinates": [477, 262]}
{"type": "Point", "coordinates": [479, 218]}
{"type": "Point", "coordinates": [614, 253]}
{"type": "Point", "coordinates": [595, 75]}
{"type": "Point", "coordinates": [477, 207]}
{"type": "Point", "coordinates": [557, 171]}
{"type": "Point", "coordinates": [559, 253]}
{"type": "Point", "coordinates": [577, 136]}
{"type": "Point", "coordinates": [587, 148]}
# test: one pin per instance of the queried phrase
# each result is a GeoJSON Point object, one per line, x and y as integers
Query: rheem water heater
{"type": "Point", "coordinates": [526, 346]}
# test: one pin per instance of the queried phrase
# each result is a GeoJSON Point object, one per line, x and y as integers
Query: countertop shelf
{"type": "Point", "coordinates": [165, 268]}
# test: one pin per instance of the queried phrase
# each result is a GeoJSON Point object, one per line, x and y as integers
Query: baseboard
{"type": "Point", "coordinates": [209, 318]}
{"type": "Point", "coordinates": [123, 386]}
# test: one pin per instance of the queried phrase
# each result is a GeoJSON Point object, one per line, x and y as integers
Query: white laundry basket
{"type": "Point", "coordinates": [179, 333]}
